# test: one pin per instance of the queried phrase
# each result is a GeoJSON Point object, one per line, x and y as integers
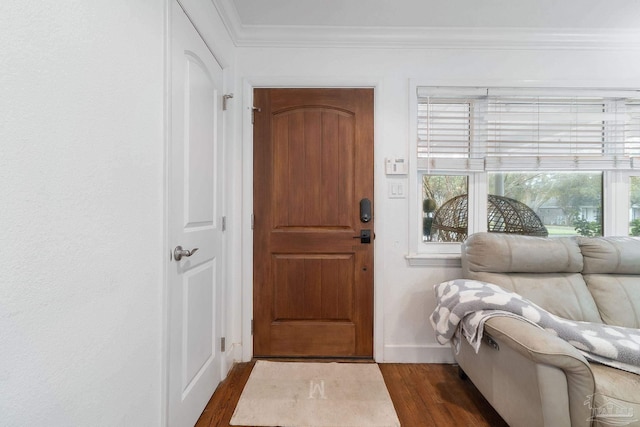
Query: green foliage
{"type": "Point", "coordinates": [577, 189]}
{"type": "Point", "coordinates": [566, 191]}
{"type": "Point", "coordinates": [588, 228]}
{"type": "Point", "coordinates": [634, 194]}
{"type": "Point", "coordinates": [429, 205]}
{"type": "Point", "coordinates": [441, 188]}
{"type": "Point", "coordinates": [532, 189]}
{"type": "Point", "coordinates": [634, 200]}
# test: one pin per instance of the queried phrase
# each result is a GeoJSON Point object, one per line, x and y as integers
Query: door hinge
{"type": "Point", "coordinates": [225, 98]}
{"type": "Point", "coordinates": [253, 221]}
{"type": "Point", "coordinates": [224, 223]}
{"type": "Point", "coordinates": [253, 324]}
{"type": "Point", "coordinates": [223, 344]}
{"type": "Point", "coordinates": [253, 114]}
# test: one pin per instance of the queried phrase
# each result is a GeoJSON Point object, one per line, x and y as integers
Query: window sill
{"type": "Point", "coordinates": [434, 260]}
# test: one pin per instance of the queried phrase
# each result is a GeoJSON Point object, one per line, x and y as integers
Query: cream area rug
{"type": "Point", "coordinates": [299, 394]}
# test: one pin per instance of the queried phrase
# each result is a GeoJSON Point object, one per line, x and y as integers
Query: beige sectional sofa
{"type": "Point", "coordinates": [531, 377]}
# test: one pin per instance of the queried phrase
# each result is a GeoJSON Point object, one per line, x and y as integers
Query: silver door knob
{"type": "Point", "coordinates": [178, 253]}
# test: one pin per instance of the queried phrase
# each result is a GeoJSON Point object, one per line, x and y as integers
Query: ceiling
{"type": "Point", "coordinates": [600, 24]}
{"type": "Point", "coordinates": [442, 13]}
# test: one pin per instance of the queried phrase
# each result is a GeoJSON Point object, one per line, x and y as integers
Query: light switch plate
{"type": "Point", "coordinates": [397, 190]}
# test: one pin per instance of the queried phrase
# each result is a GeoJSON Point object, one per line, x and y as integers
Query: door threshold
{"type": "Point", "coordinates": [325, 359]}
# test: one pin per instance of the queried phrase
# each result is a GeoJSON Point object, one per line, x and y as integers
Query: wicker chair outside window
{"type": "Point", "coordinates": [504, 215]}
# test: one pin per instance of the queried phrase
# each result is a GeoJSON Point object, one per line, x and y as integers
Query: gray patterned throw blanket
{"type": "Point", "coordinates": [465, 305]}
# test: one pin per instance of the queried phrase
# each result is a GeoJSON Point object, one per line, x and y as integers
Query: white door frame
{"type": "Point", "coordinates": [248, 84]}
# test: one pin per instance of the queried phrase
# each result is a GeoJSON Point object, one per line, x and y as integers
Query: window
{"type": "Point", "coordinates": [564, 203]}
{"type": "Point", "coordinates": [535, 161]}
{"type": "Point", "coordinates": [436, 191]}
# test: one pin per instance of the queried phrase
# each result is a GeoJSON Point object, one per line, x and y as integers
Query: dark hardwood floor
{"type": "Point", "coordinates": [423, 395]}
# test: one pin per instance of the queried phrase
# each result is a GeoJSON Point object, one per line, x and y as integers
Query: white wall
{"type": "Point", "coordinates": [404, 293]}
{"type": "Point", "coordinates": [81, 185]}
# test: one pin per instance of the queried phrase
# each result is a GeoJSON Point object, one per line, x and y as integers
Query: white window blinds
{"type": "Point", "coordinates": [536, 129]}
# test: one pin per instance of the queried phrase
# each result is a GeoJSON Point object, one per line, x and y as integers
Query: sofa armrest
{"type": "Point", "coordinates": [542, 347]}
{"type": "Point", "coordinates": [535, 343]}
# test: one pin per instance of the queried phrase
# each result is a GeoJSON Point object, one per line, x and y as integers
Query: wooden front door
{"type": "Point", "coordinates": [313, 275]}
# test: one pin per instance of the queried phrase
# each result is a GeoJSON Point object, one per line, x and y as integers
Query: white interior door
{"type": "Point", "coordinates": [195, 170]}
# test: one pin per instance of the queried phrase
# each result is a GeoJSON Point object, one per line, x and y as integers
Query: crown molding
{"type": "Point", "coordinates": [423, 37]}
{"type": "Point", "coordinates": [435, 38]}
{"type": "Point", "coordinates": [230, 17]}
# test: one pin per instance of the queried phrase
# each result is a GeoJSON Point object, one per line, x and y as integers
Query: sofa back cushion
{"type": "Point", "coordinates": [545, 271]}
{"type": "Point", "coordinates": [606, 255]}
{"type": "Point", "coordinates": [612, 273]}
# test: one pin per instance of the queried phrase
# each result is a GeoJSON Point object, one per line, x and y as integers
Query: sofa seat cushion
{"type": "Point", "coordinates": [616, 401]}
{"type": "Point", "coordinates": [617, 297]}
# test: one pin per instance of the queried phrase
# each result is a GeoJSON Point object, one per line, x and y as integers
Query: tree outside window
{"type": "Point", "coordinates": [567, 203]}
{"type": "Point", "coordinates": [634, 206]}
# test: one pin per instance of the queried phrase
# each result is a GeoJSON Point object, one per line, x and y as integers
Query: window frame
{"type": "Point", "coordinates": [621, 196]}
{"type": "Point", "coordinates": [615, 195]}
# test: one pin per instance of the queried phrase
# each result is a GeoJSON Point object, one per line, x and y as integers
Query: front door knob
{"type": "Point", "coordinates": [178, 253]}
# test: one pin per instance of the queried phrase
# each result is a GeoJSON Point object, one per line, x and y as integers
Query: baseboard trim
{"type": "Point", "coordinates": [413, 353]}
{"type": "Point", "coordinates": [231, 356]}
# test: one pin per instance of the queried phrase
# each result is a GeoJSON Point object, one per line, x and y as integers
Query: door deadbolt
{"type": "Point", "coordinates": [365, 210]}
